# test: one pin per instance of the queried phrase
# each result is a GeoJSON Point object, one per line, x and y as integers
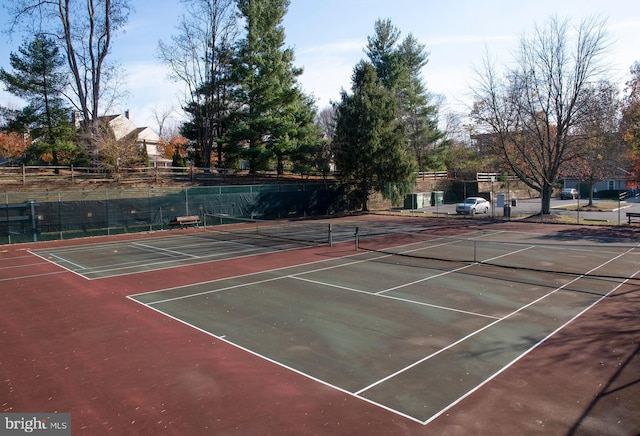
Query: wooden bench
{"type": "Point", "coordinates": [184, 221]}
{"type": "Point", "coordinates": [632, 215]}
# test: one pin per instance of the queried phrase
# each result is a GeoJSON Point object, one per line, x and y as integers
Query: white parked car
{"type": "Point", "coordinates": [569, 193]}
{"type": "Point", "coordinates": [473, 205]}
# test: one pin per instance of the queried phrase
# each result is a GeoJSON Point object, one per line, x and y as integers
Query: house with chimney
{"type": "Point", "coordinates": [122, 125]}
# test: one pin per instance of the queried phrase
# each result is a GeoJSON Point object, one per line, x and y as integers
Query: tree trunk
{"type": "Point", "coordinates": [280, 165]}
{"type": "Point", "coordinates": [365, 202]}
{"type": "Point", "coordinates": [206, 157]}
{"type": "Point", "coordinates": [547, 192]}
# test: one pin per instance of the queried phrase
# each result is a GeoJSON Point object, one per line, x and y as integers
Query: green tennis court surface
{"type": "Point", "coordinates": [206, 244]}
{"type": "Point", "coordinates": [412, 324]}
{"type": "Point", "coordinates": [173, 249]}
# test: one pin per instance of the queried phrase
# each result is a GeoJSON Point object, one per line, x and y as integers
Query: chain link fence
{"type": "Point", "coordinates": [39, 216]}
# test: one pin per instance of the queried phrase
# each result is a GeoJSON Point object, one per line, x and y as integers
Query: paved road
{"type": "Point", "coordinates": [532, 206]}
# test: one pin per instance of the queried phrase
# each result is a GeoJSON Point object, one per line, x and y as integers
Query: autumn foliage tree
{"type": "Point", "coordinates": [13, 144]}
{"type": "Point", "coordinates": [598, 151]}
{"type": "Point", "coordinates": [174, 147]}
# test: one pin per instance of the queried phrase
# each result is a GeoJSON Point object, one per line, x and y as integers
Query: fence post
{"type": "Point", "coordinates": [24, 175]}
{"type": "Point", "coordinates": [186, 199]}
{"type": "Point", "coordinates": [34, 220]}
{"type": "Point", "coordinates": [106, 203]}
{"type": "Point", "coordinates": [6, 196]}
{"type": "Point", "coordinates": [60, 214]}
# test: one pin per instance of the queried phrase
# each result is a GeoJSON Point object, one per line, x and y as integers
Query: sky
{"type": "Point", "coordinates": [329, 36]}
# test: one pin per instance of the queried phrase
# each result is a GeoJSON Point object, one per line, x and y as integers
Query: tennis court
{"type": "Point", "coordinates": [354, 325]}
{"type": "Point", "coordinates": [410, 319]}
{"type": "Point", "coordinates": [173, 249]}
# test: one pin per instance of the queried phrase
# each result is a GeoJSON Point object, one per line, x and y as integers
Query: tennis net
{"type": "Point", "coordinates": [607, 261]}
{"type": "Point", "coordinates": [309, 233]}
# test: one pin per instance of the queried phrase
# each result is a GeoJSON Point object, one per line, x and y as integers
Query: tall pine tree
{"type": "Point", "coordinates": [274, 114]}
{"type": "Point", "coordinates": [399, 68]}
{"type": "Point", "coordinates": [370, 145]}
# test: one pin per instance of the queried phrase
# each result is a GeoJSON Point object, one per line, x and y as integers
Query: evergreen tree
{"type": "Point", "coordinates": [37, 77]}
{"type": "Point", "coordinates": [384, 56]}
{"type": "Point", "coordinates": [399, 69]}
{"type": "Point", "coordinates": [274, 114]}
{"type": "Point", "coordinates": [418, 110]}
{"type": "Point", "coordinates": [370, 145]}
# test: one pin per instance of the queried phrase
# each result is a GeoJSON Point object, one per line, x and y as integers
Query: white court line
{"type": "Point", "coordinates": [357, 395]}
{"type": "Point", "coordinates": [341, 265]}
{"type": "Point", "coordinates": [33, 275]}
{"type": "Point", "coordinates": [58, 265]}
{"type": "Point", "coordinates": [350, 256]}
{"type": "Point", "coordinates": [136, 263]}
{"type": "Point", "coordinates": [4, 259]}
{"type": "Point", "coordinates": [448, 272]}
{"type": "Point", "coordinates": [391, 297]}
{"type": "Point", "coordinates": [62, 259]}
{"type": "Point", "coordinates": [257, 282]}
{"type": "Point", "coordinates": [163, 251]}
{"type": "Point", "coordinates": [251, 250]}
{"type": "Point", "coordinates": [534, 346]}
{"type": "Point", "coordinates": [280, 364]}
{"type": "Point", "coordinates": [25, 265]}
{"type": "Point", "coordinates": [464, 338]}
{"type": "Point", "coordinates": [202, 259]}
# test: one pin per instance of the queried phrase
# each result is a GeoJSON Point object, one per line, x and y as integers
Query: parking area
{"type": "Point", "coordinates": [528, 207]}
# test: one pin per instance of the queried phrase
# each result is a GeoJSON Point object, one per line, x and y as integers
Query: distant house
{"type": "Point", "coordinates": [147, 138]}
{"type": "Point", "coordinates": [611, 183]}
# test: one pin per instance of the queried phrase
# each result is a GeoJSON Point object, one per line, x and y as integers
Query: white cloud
{"type": "Point", "coordinates": [150, 90]}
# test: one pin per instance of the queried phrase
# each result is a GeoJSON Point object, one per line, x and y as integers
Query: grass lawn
{"type": "Point", "coordinates": [597, 206]}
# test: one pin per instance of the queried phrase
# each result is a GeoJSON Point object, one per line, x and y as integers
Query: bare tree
{"type": "Point", "coordinates": [114, 153]}
{"type": "Point", "coordinates": [199, 56]}
{"type": "Point", "coordinates": [84, 29]}
{"type": "Point", "coordinates": [533, 110]}
{"type": "Point", "coordinates": [326, 120]}
{"type": "Point", "coordinates": [164, 119]}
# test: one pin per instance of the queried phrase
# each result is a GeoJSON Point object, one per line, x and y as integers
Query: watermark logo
{"type": "Point", "coordinates": [41, 424]}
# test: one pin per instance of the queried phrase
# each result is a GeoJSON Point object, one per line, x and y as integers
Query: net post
{"type": "Point", "coordinates": [357, 238]}
{"type": "Point", "coordinates": [475, 251]}
{"type": "Point", "coordinates": [330, 235]}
